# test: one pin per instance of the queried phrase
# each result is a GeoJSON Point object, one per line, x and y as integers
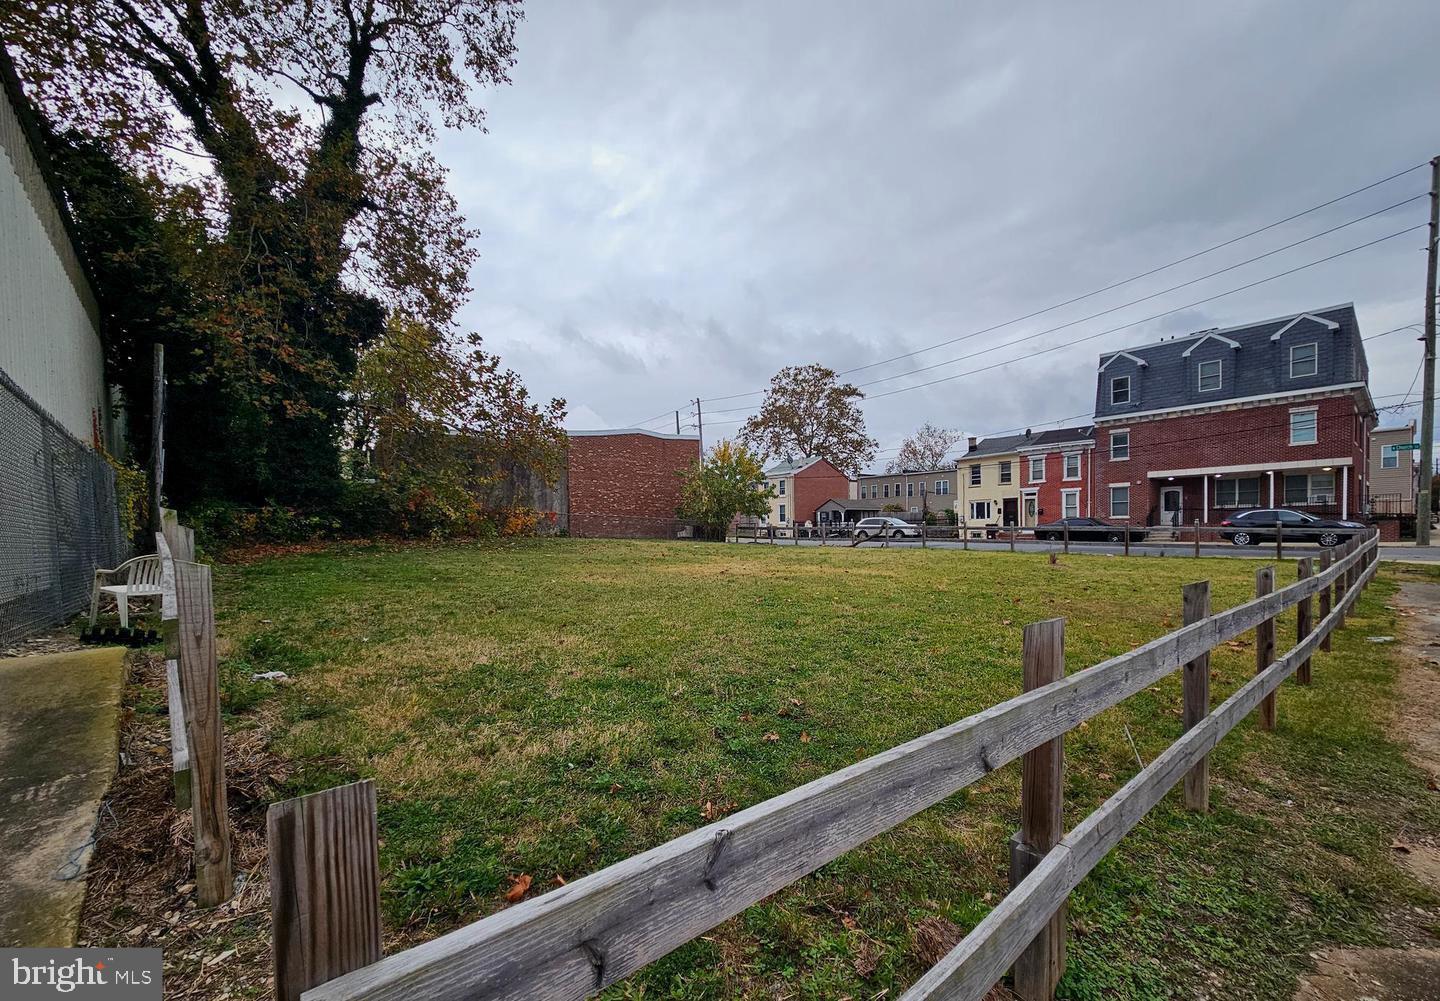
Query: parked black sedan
{"type": "Point", "coordinates": [1262, 524]}
{"type": "Point", "coordinates": [1250, 528]}
{"type": "Point", "coordinates": [1088, 530]}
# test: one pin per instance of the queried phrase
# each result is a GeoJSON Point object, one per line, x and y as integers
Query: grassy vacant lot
{"type": "Point", "coordinates": [548, 708]}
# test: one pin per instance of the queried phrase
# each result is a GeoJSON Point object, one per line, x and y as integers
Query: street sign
{"type": "Point", "coordinates": [1409, 446]}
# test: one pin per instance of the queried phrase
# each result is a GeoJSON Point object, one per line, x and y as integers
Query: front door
{"type": "Point", "coordinates": [1010, 508]}
{"type": "Point", "coordinates": [1171, 506]}
{"type": "Point", "coordinates": [1032, 510]}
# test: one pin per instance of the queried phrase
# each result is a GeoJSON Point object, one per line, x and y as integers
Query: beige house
{"type": "Point", "coordinates": [1392, 471]}
{"type": "Point", "coordinates": [989, 474]}
{"type": "Point", "coordinates": [910, 494]}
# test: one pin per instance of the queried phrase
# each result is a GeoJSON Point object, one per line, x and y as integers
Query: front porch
{"type": "Point", "coordinates": [1324, 488]}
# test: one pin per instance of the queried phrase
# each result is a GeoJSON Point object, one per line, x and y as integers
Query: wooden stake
{"type": "Point", "coordinates": [1042, 821]}
{"type": "Point", "coordinates": [324, 886]}
{"type": "Point", "coordinates": [1326, 559]}
{"type": "Point", "coordinates": [1197, 538]}
{"type": "Point", "coordinates": [1265, 644]}
{"type": "Point", "coordinates": [200, 692]}
{"type": "Point", "coordinates": [1303, 620]}
{"type": "Point", "coordinates": [1197, 696]}
{"type": "Point", "coordinates": [170, 635]}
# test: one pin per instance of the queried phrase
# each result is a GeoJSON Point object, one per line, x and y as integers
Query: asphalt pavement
{"type": "Point", "coordinates": [1291, 550]}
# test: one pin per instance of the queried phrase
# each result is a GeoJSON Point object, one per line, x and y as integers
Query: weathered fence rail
{"type": "Point", "coordinates": [576, 940]}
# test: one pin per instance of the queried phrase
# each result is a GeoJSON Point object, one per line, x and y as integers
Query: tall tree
{"type": "Point", "coordinates": [303, 132]}
{"type": "Point", "coordinates": [807, 411]}
{"type": "Point", "coordinates": [925, 449]}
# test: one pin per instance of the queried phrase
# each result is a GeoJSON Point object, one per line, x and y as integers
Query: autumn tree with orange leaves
{"type": "Point", "coordinates": [292, 142]}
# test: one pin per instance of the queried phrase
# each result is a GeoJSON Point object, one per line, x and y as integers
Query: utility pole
{"type": "Point", "coordinates": [700, 426]}
{"type": "Point", "coordinates": [157, 440]}
{"type": "Point", "coordinates": [677, 422]}
{"type": "Point", "coordinates": [1427, 411]}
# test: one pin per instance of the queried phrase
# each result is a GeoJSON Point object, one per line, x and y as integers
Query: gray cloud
{"type": "Point", "coordinates": [676, 200]}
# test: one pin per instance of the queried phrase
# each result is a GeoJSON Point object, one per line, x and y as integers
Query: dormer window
{"type": "Point", "coordinates": [1119, 390]}
{"type": "Point", "coordinates": [1208, 373]}
{"type": "Point", "coordinates": [1304, 360]}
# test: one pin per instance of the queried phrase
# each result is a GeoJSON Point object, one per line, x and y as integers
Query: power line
{"type": "Point", "coordinates": [1126, 326]}
{"type": "Point", "coordinates": [1114, 285]}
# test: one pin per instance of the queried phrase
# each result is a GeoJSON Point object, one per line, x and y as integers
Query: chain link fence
{"type": "Point", "coordinates": [58, 518]}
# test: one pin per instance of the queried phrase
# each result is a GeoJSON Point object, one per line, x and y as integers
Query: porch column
{"type": "Point", "coordinates": [1344, 491]}
{"type": "Point", "coordinates": [1204, 500]}
{"type": "Point", "coordinates": [1271, 474]}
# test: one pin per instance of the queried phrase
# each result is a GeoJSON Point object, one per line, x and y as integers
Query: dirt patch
{"type": "Point", "coordinates": [1374, 974]}
{"type": "Point", "coordinates": [62, 640]}
{"type": "Point", "coordinates": [1400, 974]}
{"type": "Point", "coordinates": [141, 891]}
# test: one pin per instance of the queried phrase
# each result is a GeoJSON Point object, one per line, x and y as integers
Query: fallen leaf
{"type": "Point", "coordinates": [796, 702]}
{"type": "Point", "coordinates": [519, 888]}
{"type": "Point", "coordinates": [559, 880]}
{"type": "Point", "coordinates": [1400, 846]}
{"type": "Point", "coordinates": [849, 922]}
{"type": "Point", "coordinates": [771, 737]}
{"type": "Point", "coordinates": [805, 739]}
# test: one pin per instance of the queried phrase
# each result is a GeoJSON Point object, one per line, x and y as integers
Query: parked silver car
{"type": "Point", "coordinates": [885, 528]}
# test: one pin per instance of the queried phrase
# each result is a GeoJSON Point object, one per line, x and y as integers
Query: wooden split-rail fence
{"type": "Point", "coordinates": [574, 941]}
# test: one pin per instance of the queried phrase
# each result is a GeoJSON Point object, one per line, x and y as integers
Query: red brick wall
{"type": "Point", "coordinates": [812, 487]}
{"type": "Point", "coordinates": [627, 485]}
{"type": "Point", "coordinates": [1225, 439]}
{"type": "Point", "coordinates": [1047, 492]}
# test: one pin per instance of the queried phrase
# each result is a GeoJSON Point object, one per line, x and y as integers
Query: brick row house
{"type": "Point", "coordinates": [799, 488]}
{"type": "Point", "coordinates": [1269, 414]}
{"type": "Point", "coordinates": [626, 483]}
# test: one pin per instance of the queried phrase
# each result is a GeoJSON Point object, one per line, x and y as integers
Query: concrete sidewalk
{"type": "Point", "coordinates": [59, 715]}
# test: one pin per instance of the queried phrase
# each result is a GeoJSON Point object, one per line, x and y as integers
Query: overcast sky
{"type": "Point", "coordinates": [678, 199]}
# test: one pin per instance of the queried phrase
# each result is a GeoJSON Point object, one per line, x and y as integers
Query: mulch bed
{"type": "Point", "coordinates": [140, 888]}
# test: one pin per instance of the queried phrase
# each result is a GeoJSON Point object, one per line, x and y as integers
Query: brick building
{"type": "Point", "coordinates": [1269, 414]}
{"type": "Point", "coordinates": [1057, 475]}
{"type": "Point", "coordinates": [626, 483]}
{"type": "Point", "coordinates": [799, 488]}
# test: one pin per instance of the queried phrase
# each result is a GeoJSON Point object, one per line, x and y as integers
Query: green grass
{"type": "Point", "coordinates": [551, 707]}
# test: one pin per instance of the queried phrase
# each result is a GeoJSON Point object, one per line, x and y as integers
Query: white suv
{"type": "Point", "coordinates": [882, 528]}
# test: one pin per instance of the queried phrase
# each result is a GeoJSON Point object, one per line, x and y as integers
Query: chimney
{"type": "Point", "coordinates": [1027, 433]}
{"type": "Point", "coordinates": [973, 442]}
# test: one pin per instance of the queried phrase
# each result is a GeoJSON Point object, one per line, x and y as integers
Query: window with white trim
{"type": "Point", "coordinates": [1304, 360]}
{"type": "Point", "coordinates": [887, 490]}
{"type": "Point", "coordinates": [863, 491]}
{"type": "Point", "coordinates": [942, 487]}
{"type": "Point", "coordinates": [1240, 492]}
{"type": "Point", "coordinates": [897, 489]}
{"type": "Point", "coordinates": [782, 488]}
{"type": "Point", "coordinates": [980, 510]}
{"type": "Point", "coordinates": [1072, 465]}
{"type": "Point", "coordinates": [975, 475]}
{"type": "Point", "coordinates": [782, 514]}
{"type": "Point", "coordinates": [1037, 469]}
{"type": "Point", "coordinates": [1304, 426]}
{"type": "Point", "coordinates": [1208, 375]}
{"type": "Point", "coordinates": [1070, 503]}
{"type": "Point", "coordinates": [1119, 445]}
{"type": "Point", "coordinates": [1120, 502]}
{"type": "Point", "coordinates": [1310, 488]}
{"type": "Point", "coordinates": [1005, 472]}
{"type": "Point", "coordinates": [1389, 457]}
{"type": "Point", "coordinates": [1119, 390]}
{"type": "Point", "coordinates": [909, 490]}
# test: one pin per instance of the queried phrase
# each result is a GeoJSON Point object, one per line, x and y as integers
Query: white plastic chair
{"type": "Point", "coordinates": [142, 580]}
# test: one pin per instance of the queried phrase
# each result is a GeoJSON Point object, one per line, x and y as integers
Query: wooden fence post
{"type": "Point", "coordinates": [170, 635]}
{"type": "Point", "coordinates": [1265, 644]}
{"type": "Point", "coordinates": [200, 692]}
{"type": "Point", "coordinates": [1197, 538]}
{"type": "Point", "coordinates": [1303, 620]}
{"type": "Point", "coordinates": [1279, 541]}
{"type": "Point", "coordinates": [1197, 696]}
{"type": "Point", "coordinates": [1342, 584]}
{"type": "Point", "coordinates": [1326, 559]}
{"type": "Point", "coordinates": [1066, 529]}
{"type": "Point", "coordinates": [324, 886]}
{"type": "Point", "coordinates": [1042, 821]}
{"type": "Point", "coordinates": [1126, 531]}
